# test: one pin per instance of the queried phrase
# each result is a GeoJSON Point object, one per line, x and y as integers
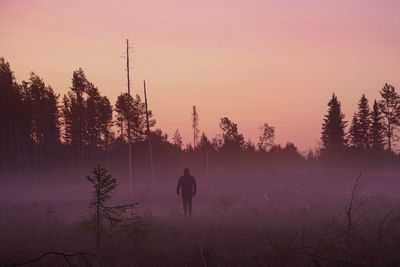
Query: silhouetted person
{"type": "Point", "coordinates": [187, 188]}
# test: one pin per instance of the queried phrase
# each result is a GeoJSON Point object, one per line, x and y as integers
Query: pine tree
{"type": "Point", "coordinates": [390, 109]}
{"type": "Point", "coordinates": [123, 108]}
{"type": "Point", "coordinates": [133, 109]}
{"type": "Point", "coordinates": [333, 129]}
{"type": "Point", "coordinates": [87, 114]}
{"type": "Point", "coordinates": [105, 121]}
{"type": "Point", "coordinates": [42, 105]}
{"type": "Point", "coordinates": [87, 118]}
{"type": "Point", "coordinates": [231, 139]}
{"type": "Point", "coordinates": [376, 130]}
{"type": "Point", "coordinates": [14, 120]}
{"type": "Point", "coordinates": [74, 111]}
{"type": "Point", "coordinates": [98, 115]}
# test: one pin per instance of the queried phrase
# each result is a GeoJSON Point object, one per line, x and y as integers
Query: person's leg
{"type": "Point", "coordinates": [184, 206]}
{"type": "Point", "coordinates": [190, 206]}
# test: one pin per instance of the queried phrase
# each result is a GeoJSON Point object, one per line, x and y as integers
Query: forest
{"type": "Point", "coordinates": [64, 169]}
{"type": "Point", "coordinates": [43, 133]}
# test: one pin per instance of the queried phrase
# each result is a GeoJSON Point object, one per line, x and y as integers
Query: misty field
{"type": "Point", "coordinates": [300, 218]}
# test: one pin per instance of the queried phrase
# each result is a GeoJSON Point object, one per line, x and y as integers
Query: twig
{"type": "Point", "coordinates": [325, 232]}
{"type": "Point", "coordinates": [202, 256]}
{"type": "Point", "coordinates": [64, 255]}
{"type": "Point", "coordinates": [58, 233]}
{"type": "Point", "coordinates": [290, 246]}
{"type": "Point", "coordinates": [315, 256]}
{"type": "Point", "coordinates": [386, 224]}
{"type": "Point", "coordinates": [349, 212]}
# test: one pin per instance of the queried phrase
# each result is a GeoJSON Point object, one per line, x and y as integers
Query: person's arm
{"type": "Point", "coordinates": [178, 187]}
{"type": "Point", "coordinates": [194, 187]}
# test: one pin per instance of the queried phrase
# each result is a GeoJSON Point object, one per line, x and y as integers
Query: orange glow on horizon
{"type": "Point", "coordinates": [252, 61]}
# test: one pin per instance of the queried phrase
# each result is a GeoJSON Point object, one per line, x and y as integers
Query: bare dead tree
{"type": "Point", "coordinates": [148, 133]}
{"type": "Point", "coordinates": [130, 172]}
{"type": "Point", "coordinates": [195, 126]}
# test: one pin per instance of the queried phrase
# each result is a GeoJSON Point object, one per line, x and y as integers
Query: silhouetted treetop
{"type": "Point", "coordinates": [231, 139]}
{"type": "Point", "coordinates": [333, 129]}
{"type": "Point", "coordinates": [42, 105]}
{"type": "Point", "coordinates": [177, 139]}
{"type": "Point", "coordinates": [133, 110]}
{"type": "Point", "coordinates": [364, 120]}
{"type": "Point", "coordinates": [266, 138]}
{"type": "Point", "coordinates": [376, 131]}
{"type": "Point", "coordinates": [38, 134]}
{"type": "Point", "coordinates": [205, 144]}
{"type": "Point", "coordinates": [14, 120]}
{"type": "Point", "coordinates": [390, 109]}
{"type": "Point", "coordinates": [87, 114]}
{"type": "Point", "coordinates": [355, 133]}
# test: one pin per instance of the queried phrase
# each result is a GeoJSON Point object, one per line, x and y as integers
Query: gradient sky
{"type": "Point", "coordinates": [253, 61]}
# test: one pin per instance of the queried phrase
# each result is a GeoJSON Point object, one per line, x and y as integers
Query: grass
{"type": "Point", "coordinates": [361, 230]}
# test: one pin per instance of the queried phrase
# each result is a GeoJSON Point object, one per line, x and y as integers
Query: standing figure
{"type": "Point", "coordinates": [187, 188]}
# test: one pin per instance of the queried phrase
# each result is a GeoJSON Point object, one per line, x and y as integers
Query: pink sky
{"type": "Point", "coordinates": [253, 61]}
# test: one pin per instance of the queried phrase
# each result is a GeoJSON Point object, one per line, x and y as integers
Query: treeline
{"type": "Point", "coordinates": [372, 131]}
{"type": "Point", "coordinates": [42, 133]}
{"type": "Point", "coordinates": [38, 130]}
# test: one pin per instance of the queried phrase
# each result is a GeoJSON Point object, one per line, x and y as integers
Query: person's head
{"type": "Point", "coordinates": [186, 171]}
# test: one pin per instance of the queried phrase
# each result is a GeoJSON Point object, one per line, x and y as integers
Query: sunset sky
{"type": "Point", "coordinates": [252, 61]}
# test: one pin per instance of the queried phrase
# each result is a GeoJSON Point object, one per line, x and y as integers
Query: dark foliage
{"type": "Point", "coordinates": [333, 129]}
{"type": "Point", "coordinates": [41, 137]}
{"type": "Point", "coordinates": [390, 108]}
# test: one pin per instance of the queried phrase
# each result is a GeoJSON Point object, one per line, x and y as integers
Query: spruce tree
{"type": "Point", "coordinates": [376, 130]}
{"type": "Point", "coordinates": [356, 137]}
{"type": "Point", "coordinates": [364, 121]}
{"type": "Point", "coordinates": [103, 187]}
{"type": "Point", "coordinates": [333, 129]}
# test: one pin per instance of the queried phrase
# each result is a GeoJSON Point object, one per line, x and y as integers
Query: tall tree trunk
{"type": "Point", "coordinates": [98, 221]}
{"type": "Point", "coordinates": [148, 133]}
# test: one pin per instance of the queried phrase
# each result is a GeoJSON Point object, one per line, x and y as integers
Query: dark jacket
{"type": "Point", "coordinates": [186, 186]}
